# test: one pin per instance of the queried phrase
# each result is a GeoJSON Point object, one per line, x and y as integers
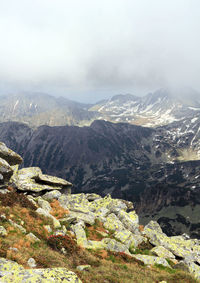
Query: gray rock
{"type": "Point", "coordinates": [162, 252]}
{"type": "Point", "coordinates": [130, 220]}
{"type": "Point", "coordinates": [88, 218]}
{"type": "Point", "coordinates": [9, 155]}
{"type": "Point", "coordinates": [151, 260]}
{"type": "Point", "coordinates": [44, 204]}
{"type": "Point", "coordinates": [51, 180]}
{"type": "Point", "coordinates": [113, 223]}
{"type": "Point", "coordinates": [31, 262]}
{"type": "Point", "coordinates": [43, 212]}
{"type": "Point", "coordinates": [80, 235]}
{"type": "Point", "coordinates": [52, 195]}
{"type": "Point", "coordinates": [3, 231]}
{"type": "Point", "coordinates": [83, 267]}
{"type": "Point", "coordinates": [115, 246]}
{"type": "Point", "coordinates": [32, 237]}
{"type": "Point", "coordinates": [22, 229]}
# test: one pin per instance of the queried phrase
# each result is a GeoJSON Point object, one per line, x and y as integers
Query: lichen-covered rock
{"type": "Point", "coordinates": [92, 197]}
{"type": "Point", "coordinates": [32, 237]}
{"type": "Point", "coordinates": [51, 180]}
{"type": "Point", "coordinates": [129, 239]}
{"type": "Point", "coordinates": [8, 266]}
{"type": "Point", "coordinates": [45, 213]}
{"type": "Point", "coordinates": [113, 205]}
{"type": "Point", "coordinates": [3, 231]}
{"type": "Point", "coordinates": [96, 245]}
{"type": "Point", "coordinates": [176, 244]}
{"type": "Point", "coordinates": [86, 218]}
{"type": "Point", "coordinates": [44, 204]}
{"type": "Point", "coordinates": [151, 260]}
{"type": "Point", "coordinates": [9, 155]}
{"type": "Point", "coordinates": [75, 202]}
{"type": "Point", "coordinates": [26, 180]}
{"type": "Point", "coordinates": [52, 195]}
{"type": "Point", "coordinates": [113, 223]}
{"type": "Point", "coordinates": [41, 275]}
{"type": "Point", "coordinates": [115, 246]}
{"type": "Point", "coordinates": [162, 252]}
{"type": "Point", "coordinates": [5, 170]}
{"type": "Point", "coordinates": [80, 235]}
{"type": "Point", "coordinates": [130, 220]}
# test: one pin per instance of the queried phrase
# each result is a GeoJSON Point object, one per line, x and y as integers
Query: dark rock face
{"type": "Point", "coordinates": [130, 162]}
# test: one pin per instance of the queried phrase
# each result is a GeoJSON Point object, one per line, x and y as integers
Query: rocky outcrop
{"type": "Point", "coordinates": [11, 271]}
{"type": "Point", "coordinates": [119, 229]}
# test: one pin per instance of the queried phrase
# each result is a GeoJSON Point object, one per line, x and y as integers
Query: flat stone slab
{"type": "Point", "coordinates": [51, 180]}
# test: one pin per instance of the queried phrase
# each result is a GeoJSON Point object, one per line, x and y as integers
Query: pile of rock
{"type": "Point", "coordinates": [122, 231]}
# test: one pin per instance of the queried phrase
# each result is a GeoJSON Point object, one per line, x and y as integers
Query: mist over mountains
{"type": "Point", "coordinates": [154, 109]}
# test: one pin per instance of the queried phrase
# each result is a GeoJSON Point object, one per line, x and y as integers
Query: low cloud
{"type": "Point", "coordinates": [94, 48]}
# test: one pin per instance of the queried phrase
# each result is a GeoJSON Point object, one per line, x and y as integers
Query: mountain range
{"type": "Point", "coordinates": [156, 167]}
{"type": "Point", "coordinates": [155, 109]}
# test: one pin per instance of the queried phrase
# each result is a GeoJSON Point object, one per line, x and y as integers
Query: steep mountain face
{"type": "Point", "coordinates": [37, 109]}
{"type": "Point", "coordinates": [158, 108]}
{"type": "Point", "coordinates": [146, 166]}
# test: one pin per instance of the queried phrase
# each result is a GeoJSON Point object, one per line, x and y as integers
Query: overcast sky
{"type": "Point", "coordinates": [92, 49]}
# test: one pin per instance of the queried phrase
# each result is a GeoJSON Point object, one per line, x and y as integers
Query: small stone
{"type": "Point", "coordinates": [3, 217]}
{"type": "Point", "coordinates": [83, 267]}
{"type": "Point", "coordinates": [22, 229]}
{"type": "Point", "coordinates": [31, 262]}
{"type": "Point", "coordinates": [3, 231]}
{"type": "Point", "coordinates": [32, 237]}
{"type": "Point", "coordinates": [13, 249]}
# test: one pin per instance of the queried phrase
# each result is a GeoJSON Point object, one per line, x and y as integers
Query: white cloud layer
{"type": "Point", "coordinates": [93, 48]}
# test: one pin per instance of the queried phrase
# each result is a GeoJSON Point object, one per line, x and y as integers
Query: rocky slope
{"type": "Point", "coordinates": [146, 166]}
{"type": "Point", "coordinates": [39, 221]}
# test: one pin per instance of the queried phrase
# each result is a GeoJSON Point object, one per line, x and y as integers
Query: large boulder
{"type": "Point", "coordinates": [9, 155]}
{"type": "Point", "coordinates": [80, 235]}
{"type": "Point", "coordinates": [32, 179]}
{"type": "Point", "coordinates": [51, 180]}
{"type": "Point", "coordinates": [130, 220]}
{"type": "Point", "coordinates": [115, 246]}
{"type": "Point", "coordinates": [162, 252]}
{"type": "Point", "coordinates": [113, 223]}
{"type": "Point", "coordinates": [129, 239]}
{"type": "Point", "coordinates": [12, 272]}
{"type": "Point", "coordinates": [151, 260]}
{"type": "Point", "coordinates": [176, 244]}
{"type": "Point", "coordinates": [9, 267]}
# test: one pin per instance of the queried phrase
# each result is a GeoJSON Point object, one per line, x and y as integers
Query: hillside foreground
{"type": "Point", "coordinates": [48, 234]}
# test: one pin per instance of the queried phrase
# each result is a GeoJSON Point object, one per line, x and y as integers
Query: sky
{"type": "Point", "coordinates": [93, 49]}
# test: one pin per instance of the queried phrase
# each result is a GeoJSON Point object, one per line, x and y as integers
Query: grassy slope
{"type": "Point", "coordinates": [105, 266]}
